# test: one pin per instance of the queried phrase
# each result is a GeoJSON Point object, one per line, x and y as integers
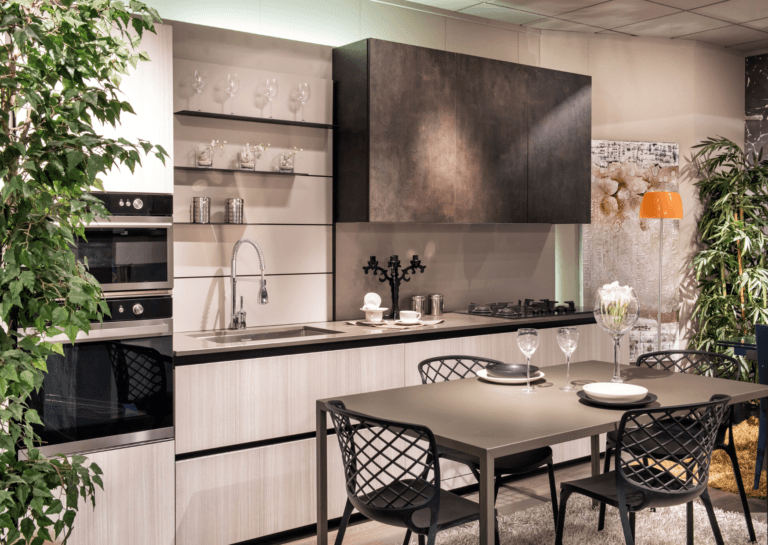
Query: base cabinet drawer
{"type": "Point", "coordinates": [136, 505]}
{"type": "Point", "coordinates": [242, 495]}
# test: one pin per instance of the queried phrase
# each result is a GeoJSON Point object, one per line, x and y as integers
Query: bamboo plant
{"type": "Point", "coordinates": [731, 268]}
{"type": "Point", "coordinates": [60, 67]}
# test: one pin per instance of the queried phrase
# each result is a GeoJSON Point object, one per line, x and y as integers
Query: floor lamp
{"type": "Point", "coordinates": [661, 205]}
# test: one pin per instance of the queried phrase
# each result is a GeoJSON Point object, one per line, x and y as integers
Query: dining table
{"type": "Point", "coordinates": [490, 420]}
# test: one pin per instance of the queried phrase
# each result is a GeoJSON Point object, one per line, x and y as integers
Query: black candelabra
{"type": "Point", "coordinates": [394, 276]}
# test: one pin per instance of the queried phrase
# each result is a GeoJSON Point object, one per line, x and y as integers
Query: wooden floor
{"type": "Point", "coordinates": [517, 496]}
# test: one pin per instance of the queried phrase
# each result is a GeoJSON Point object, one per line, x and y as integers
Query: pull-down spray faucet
{"type": "Point", "coordinates": [238, 317]}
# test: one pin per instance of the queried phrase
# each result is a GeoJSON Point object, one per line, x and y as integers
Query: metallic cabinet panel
{"type": "Point", "coordinates": [559, 144]}
{"type": "Point", "coordinates": [412, 102]}
{"type": "Point", "coordinates": [491, 141]}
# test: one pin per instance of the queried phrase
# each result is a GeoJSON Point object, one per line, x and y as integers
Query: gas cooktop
{"type": "Point", "coordinates": [524, 309]}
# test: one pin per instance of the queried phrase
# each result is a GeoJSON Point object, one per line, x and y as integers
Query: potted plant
{"type": "Point", "coordinates": [730, 269]}
{"type": "Point", "coordinates": [60, 68]}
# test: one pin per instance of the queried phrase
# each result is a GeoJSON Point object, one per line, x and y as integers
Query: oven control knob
{"type": "Point", "coordinates": [122, 203]}
{"type": "Point", "coordinates": [138, 203]}
{"type": "Point", "coordinates": [120, 309]}
{"type": "Point", "coordinates": [138, 309]}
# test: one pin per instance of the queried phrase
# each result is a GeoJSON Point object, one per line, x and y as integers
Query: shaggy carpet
{"type": "Point", "coordinates": [664, 527]}
{"type": "Point", "coordinates": [721, 470]}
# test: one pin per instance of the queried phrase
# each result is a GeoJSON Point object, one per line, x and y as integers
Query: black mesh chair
{"type": "Point", "coordinates": [662, 459]}
{"type": "Point", "coordinates": [392, 476]}
{"type": "Point", "coordinates": [458, 367]}
{"type": "Point", "coordinates": [709, 364]}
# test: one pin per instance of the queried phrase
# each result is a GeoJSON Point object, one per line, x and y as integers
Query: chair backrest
{"type": "Point", "coordinates": [445, 368]}
{"type": "Point", "coordinates": [391, 468]}
{"type": "Point", "coordinates": [710, 364]}
{"type": "Point", "coordinates": [665, 453]}
{"type": "Point", "coordinates": [761, 338]}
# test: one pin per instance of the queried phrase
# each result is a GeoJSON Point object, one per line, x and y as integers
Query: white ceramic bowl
{"type": "Point", "coordinates": [611, 392]}
{"type": "Point", "coordinates": [374, 314]}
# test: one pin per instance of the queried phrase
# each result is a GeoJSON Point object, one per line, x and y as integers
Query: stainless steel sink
{"type": "Point", "coordinates": [264, 334]}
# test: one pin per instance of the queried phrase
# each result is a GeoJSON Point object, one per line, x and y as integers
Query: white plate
{"type": "Point", "coordinates": [372, 300]}
{"type": "Point", "coordinates": [400, 322]}
{"type": "Point", "coordinates": [612, 392]}
{"type": "Point", "coordinates": [483, 374]}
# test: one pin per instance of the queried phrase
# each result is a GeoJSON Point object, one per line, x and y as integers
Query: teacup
{"type": "Point", "coordinates": [373, 314]}
{"type": "Point", "coordinates": [408, 316]}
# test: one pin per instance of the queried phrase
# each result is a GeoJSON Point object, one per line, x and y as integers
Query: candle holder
{"type": "Point", "coordinates": [394, 276]}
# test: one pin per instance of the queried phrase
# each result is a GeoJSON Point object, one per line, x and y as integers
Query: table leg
{"type": "Point", "coordinates": [487, 510]}
{"type": "Point", "coordinates": [322, 478]}
{"type": "Point", "coordinates": [595, 447]}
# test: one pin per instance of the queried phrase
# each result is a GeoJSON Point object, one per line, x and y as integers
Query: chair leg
{"type": "Point", "coordinates": [632, 523]}
{"type": "Point", "coordinates": [344, 522]}
{"type": "Point", "coordinates": [552, 490]}
{"type": "Point", "coordinates": [731, 450]}
{"type": "Point", "coordinates": [689, 523]}
{"type": "Point", "coordinates": [422, 540]}
{"type": "Point", "coordinates": [606, 468]}
{"type": "Point", "coordinates": [624, 515]}
{"type": "Point", "coordinates": [496, 486]}
{"type": "Point", "coordinates": [564, 494]}
{"type": "Point", "coordinates": [407, 539]}
{"type": "Point", "coordinates": [712, 519]}
{"type": "Point", "coordinates": [432, 535]}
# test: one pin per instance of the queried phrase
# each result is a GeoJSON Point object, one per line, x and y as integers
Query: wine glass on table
{"type": "Point", "coordinates": [271, 87]}
{"type": "Point", "coordinates": [198, 83]}
{"type": "Point", "coordinates": [568, 339]}
{"type": "Point", "coordinates": [528, 341]}
{"type": "Point", "coordinates": [304, 94]}
{"type": "Point", "coordinates": [233, 84]}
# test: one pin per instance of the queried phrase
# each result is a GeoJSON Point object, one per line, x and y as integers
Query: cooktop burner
{"type": "Point", "coordinates": [523, 309]}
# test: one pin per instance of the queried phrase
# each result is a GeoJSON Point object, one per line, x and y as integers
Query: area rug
{"type": "Point", "coordinates": [721, 470]}
{"type": "Point", "coordinates": [664, 527]}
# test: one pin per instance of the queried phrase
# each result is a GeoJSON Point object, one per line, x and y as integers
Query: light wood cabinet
{"type": "Point", "coordinates": [235, 402]}
{"type": "Point", "coordinates": [149, 90]}
{"type": "Point", "coordinates": [137, 503]}
{"type": "Point", "coordinates": [243, 495]}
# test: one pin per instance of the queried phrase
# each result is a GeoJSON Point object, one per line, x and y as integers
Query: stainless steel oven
{"type": "Point", "coordinates": [114, 386]}
{"type": "Point", "coordinates": [132, 249]}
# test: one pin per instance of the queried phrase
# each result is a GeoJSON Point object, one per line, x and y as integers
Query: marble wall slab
{"type": "Point", "coordinates": [756, 104]}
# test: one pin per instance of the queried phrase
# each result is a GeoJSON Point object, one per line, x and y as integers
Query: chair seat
{"type": "Point", "coordinates": [522, 462]}
{"type": "Point", "coordinates": [454, 510]}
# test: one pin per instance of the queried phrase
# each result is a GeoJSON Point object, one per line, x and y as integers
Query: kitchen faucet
{"type": "Point", "coordinates": [238, 317]}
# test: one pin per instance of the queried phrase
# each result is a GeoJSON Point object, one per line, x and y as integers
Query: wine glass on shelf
{"type": "Point", "coordinates": [528, 341]}
{"type": "Point", "coordinates": [304, 94]}
{"type": "Point", "coordinates": [568, 339]}
{"type": "Point", "coordinates": [233, 84]}
{"type": "Point", "coordinates": [616, 311]}
{"type": "Point", "coordinates": [198, 84]}
{"type": "Point", "coordinates": [271, 87]}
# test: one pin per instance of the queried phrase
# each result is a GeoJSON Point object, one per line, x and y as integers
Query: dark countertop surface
{"type": "Point", "coordinates": [208, 346]}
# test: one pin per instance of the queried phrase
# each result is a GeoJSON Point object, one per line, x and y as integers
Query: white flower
{"type": "Point", "coordinates": [615, 294]}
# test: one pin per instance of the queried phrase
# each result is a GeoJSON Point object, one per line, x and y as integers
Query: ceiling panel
{"type": "Point", "coordinates": [547, 7]}
{"type": "Point", "coordinates": [688, 4]}
{"type": "Point", "coordinates": [760, 24]}
{"type": "Point", "coordinates": [567, 26]}
{"type": "Point", "coordinates": [672, 26]}
{"type": "Point", "coordinates": [453, 5]}
{"type": "Point", "coordinates": [752, 46]}
{"type": "Point", "coordinates": [729, 35]}
{"type": "Point", "coordinates": [616, 13]}
{"type": "Point", "coordinates": [737, 11]}
{"type": "Point", "coordinates": [500, 13]}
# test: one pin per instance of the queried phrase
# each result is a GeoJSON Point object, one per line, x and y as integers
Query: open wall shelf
{"type": "Point", "coordinates": [211, 115]}
{"type": "Point", "coordinates": [260, 172]}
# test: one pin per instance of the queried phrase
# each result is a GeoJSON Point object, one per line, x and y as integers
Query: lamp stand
{"type": "Point", "coordinates": [661, 257]}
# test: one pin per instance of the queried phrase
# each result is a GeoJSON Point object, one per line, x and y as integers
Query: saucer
{"type": "Point", "coordinates": [401, 323]}
{"type": "Point", "coordinates": [483, 374]}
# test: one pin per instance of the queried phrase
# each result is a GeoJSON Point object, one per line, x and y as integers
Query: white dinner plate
{"type": "Point", "coordinates": [400, 322]}
{"type": "Point", "coordinates": [612, 392]}
{"type": "Point", "coordinates": [485, 376]}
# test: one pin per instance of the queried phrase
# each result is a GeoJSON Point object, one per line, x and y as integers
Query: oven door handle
{"type": "Point", "coordinates": [111, 331]}
{"type": "Point", "coordinates": [127, 225]}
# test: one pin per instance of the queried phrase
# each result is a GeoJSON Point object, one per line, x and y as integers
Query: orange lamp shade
{"type": "Point", "coordinates": [662, 204]}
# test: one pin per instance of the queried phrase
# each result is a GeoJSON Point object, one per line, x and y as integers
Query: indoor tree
{"type": "Point", "coordinates": [731, 268]}
{"type": "Point", "coordinates": [60, 68]}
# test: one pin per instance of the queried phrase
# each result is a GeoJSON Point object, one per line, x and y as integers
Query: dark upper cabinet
{"type": "Point", "coordinates": [559, 146]}
{"type": "Point", "coordinates": [429, 136]}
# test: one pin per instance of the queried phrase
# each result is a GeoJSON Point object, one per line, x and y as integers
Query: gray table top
{"type": "Point", "coordinates": [477, 416]}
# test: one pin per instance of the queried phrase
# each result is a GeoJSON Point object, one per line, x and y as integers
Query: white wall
{"type": "Point", "coordinates": [644, 89]}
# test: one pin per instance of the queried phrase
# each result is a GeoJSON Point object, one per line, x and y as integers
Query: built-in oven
{"type": "Point", "coordinates": [133, 248]}
{"type": "Point", "coordinates": [113, 386]}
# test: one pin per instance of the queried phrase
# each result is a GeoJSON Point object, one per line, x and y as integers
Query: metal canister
{"type": "Point", "coordinates": [201, 210]}
{"type": "Point", "coordinates": [419, 304]}
{"type": "Point", "coordinates": [435, 305]}
{"type": "Point", "coordinates": [234, 211]}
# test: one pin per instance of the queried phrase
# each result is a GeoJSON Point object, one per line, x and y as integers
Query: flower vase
{"type": "Point", "coordinates": [616, 311]}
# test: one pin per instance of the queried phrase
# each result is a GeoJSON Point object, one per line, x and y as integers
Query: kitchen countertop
{"type": "Point", "coordinates": [190, 349]}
